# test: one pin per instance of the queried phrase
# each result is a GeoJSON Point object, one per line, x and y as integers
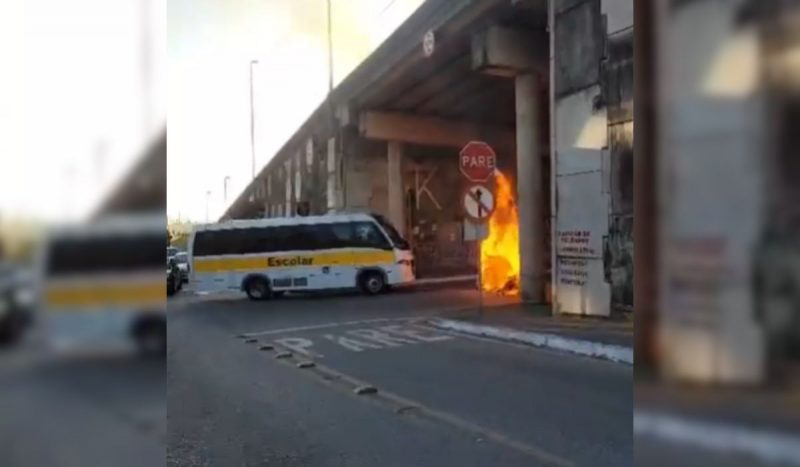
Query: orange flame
{"type": "Point", "coordinates": [500, 250]}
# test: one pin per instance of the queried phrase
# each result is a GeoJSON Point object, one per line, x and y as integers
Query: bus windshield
{"type": "Point", "coordinates": [397, 239]}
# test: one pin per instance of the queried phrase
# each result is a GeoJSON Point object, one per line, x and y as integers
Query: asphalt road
{"type": "Point", "coordinates": [94, 408]}
{"type": "Point", "coordinates": [442, 399]}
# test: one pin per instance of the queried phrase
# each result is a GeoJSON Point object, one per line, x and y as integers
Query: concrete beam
{"type": "Point", "coordinates": [432, 131]}
{"type": "Point", "coordinates": [509, 52]}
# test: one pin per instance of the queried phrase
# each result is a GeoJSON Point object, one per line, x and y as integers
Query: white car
{"type": "Point", "coordinates": [182, 260]}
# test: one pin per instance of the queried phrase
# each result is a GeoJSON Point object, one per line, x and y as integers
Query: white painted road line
{"type": "Point", "coordinates": [298, 345]}
{"type": "Point", "coordinates": [767, 446]}
{"type": "Point", "coordinates": [615, 353]}
{"type": "Point", "coordinates": [314, 327]}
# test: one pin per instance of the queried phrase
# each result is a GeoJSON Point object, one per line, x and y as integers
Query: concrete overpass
{"type": "Point", "coordinates": [388, 139]}
{"type": "Point", "coordinates": [144, 188]}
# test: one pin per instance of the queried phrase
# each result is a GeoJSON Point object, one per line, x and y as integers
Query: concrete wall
{"type": "Point", "coordinates": [592, 83]}
{"type": "Point", "coordinates": [432, 186]}
{"type": "Point", "coordinates": [300, 176]}
{"type": "Point", "coordinates": [365, 165]}
{"type": "Point", "coordinates": [729, 270]}
{"type": "Point", "coordinates": [618, 96]}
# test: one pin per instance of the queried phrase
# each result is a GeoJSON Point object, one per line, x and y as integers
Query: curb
{"type": "Point", "coordinates": [445, 280]}
{"type": "Point", "coordinates": [614, 353]}
{"type": "Point", "coordinates": [767, 446]}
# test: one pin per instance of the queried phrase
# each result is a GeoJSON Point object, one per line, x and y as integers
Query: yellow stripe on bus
{"type": "Point", "coordinates": [115, 294]}
{"type": "Point", "coordinates": [341, 258]}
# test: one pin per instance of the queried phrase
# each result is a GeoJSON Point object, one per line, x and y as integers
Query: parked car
{"type": "Point", "coordinates": [16, 304]}
{"type": "Point", "coordinates": [182, 260]}
{"type": "Point", "coordinates": [174, 281]}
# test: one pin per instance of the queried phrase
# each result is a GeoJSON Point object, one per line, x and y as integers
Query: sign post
{"type": "Point", "coordinates": [477, 161]}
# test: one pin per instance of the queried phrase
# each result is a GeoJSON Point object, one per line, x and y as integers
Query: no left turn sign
{"type": "Point", "coordinates": [478, 203]}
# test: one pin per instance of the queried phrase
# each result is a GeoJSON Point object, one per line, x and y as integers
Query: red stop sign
{"type": "Point", "coordinates": [477, 161]}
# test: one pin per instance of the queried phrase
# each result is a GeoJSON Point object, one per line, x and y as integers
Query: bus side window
{"type": "Point", "coordinates": [303, 237]}
{"type": "Point", "coordinates": [367, 235]}
{"type": "Point", "coordinates": [213, 242]}
{"type": "Point", "coordinates": [249, 241]}
{"type": "Point", "coordinates": [265, 240]}
{"type": "Point", "coordinates": [343, 234]}
{"type": "Point", "coordinates": [202, 244]}
{"type": "Point", "coordinates": [278, 239]}
{"type": "Point", "coordinates": [329, 236]}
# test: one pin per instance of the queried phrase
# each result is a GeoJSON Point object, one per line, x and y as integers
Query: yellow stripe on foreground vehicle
{"type": "Point", "coordinates": [86, 297]}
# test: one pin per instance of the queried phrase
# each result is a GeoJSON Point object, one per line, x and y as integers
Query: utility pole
{"type": "Point", "coordinates": [225, 188]}
{"type": "Point", "coordinates": [69, 179]}
{"type": "Point", "coordinates": [330, 50]}
{"type": "Point", "coordinates": [252, 123]}
{"type": "Point", "coordinates": [208, 195]}
{"type": "Point", "coordinates": [100, 153]}
{"type": "Point", "coordinates": [335, 130]}
{"type": "Point", "coordinates": [146, 67]}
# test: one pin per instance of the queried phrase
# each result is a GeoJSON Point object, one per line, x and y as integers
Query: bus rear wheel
{"type": "Point", "coordinates": [257, 288]}
{"type": "Point", "coordinates": [372, 282]}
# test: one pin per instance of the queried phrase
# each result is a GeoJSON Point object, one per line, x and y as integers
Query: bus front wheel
{"type": "Point", "coordinates": [372, 282]}
{"type": "Point", "coordinates": [257, 288]}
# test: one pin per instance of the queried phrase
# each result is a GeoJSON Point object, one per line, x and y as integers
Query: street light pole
{"type": "Point", "coordinates": [225, 188]}
{"type": "Point", "coordinates": [330, 49]}
{"type": "Point", "coordinates": [252, 123]}
{"type": "Point", "coordinates": [208, 194]}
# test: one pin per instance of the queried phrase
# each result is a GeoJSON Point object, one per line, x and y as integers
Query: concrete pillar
{"type": "Point", "coordinates": [530, 196]}
{"type": "Point", "coordinates": [395, 186]}
{"type": "Point", "coordinates": [332, 193]}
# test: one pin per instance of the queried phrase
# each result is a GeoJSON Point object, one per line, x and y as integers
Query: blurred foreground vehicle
{"type": "Point", "coordinates": [16, 304]}
{"type": "Point", "coordinates": [101, 282]}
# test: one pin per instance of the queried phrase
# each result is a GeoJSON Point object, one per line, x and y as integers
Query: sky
{"type": "Point", "coordinates": [77, 111]}
{"type": "Point", "coordinates": [210, 44]}
{"type": "Point", "coordinates": [73, 119]}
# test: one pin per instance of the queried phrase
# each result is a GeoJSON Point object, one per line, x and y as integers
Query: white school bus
{"type": "Point", "coordinates": [103, 283]}
{"type": "Point", "coordinates": [266, 257]}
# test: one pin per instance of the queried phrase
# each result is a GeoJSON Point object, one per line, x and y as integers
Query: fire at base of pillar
{"type": "Point", "coordinates": [500, 249]}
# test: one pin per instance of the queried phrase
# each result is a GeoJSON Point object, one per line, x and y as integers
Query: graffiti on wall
{"type": "Point", "coordinates": [421, 188]}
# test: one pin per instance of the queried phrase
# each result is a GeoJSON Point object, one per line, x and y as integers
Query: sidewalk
{"type": "Point", "coordinates": [608, 338]}
{"type": "Point", "coordinates": [760, 422]}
